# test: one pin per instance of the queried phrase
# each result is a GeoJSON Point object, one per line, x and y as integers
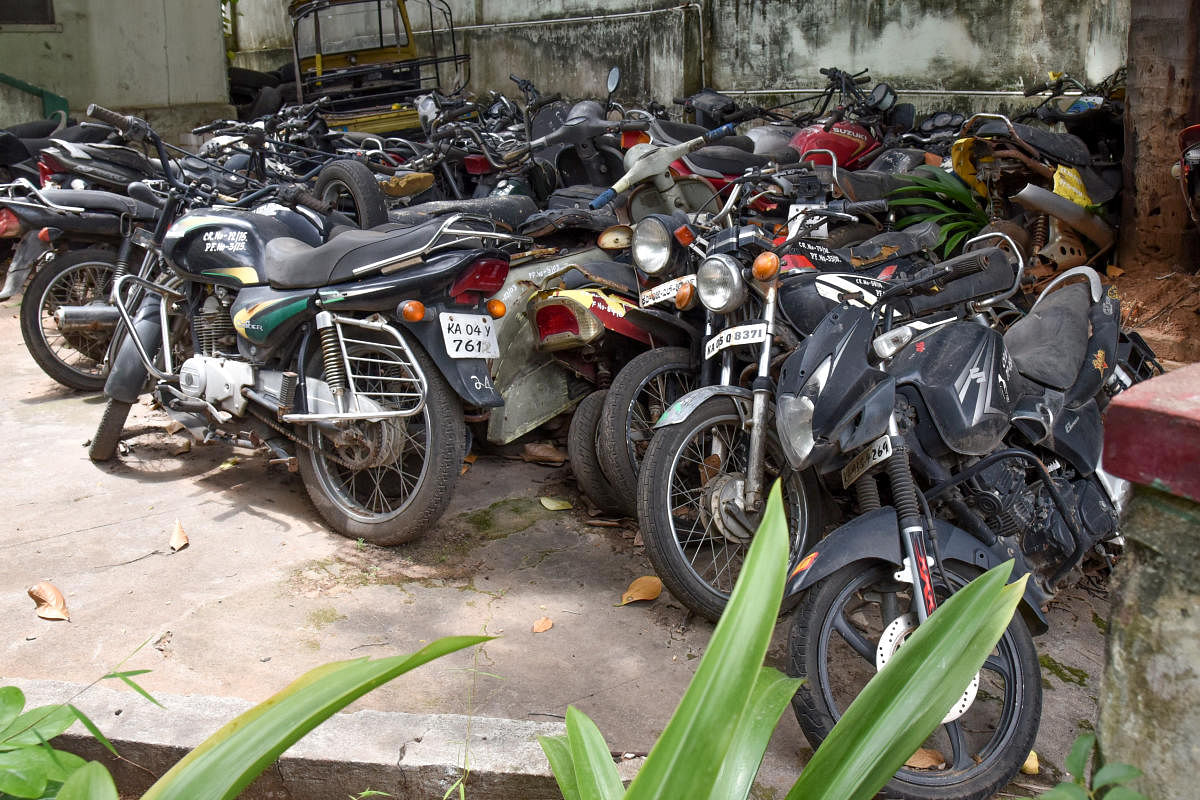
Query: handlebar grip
{"type": "Point", "coordinates": [867, 207]}
{"type": "Point", "coordinates": [512, 77]}
{"type": "Point", "coordinates": [309, 200]}
{"type": "Point", "coordinates": [966, 264]}
{"type": "Point", "coordinates": [118, 121]}
{"type": "Point", "coordinates": [719, 133]}
{"type": "Point", "coordinates": [827, 71]}
{"type": "Point", "coordinates": [1032, 90]}
{"type": "Point", "coordinates": [454, 113]}
{"type": "Point", "coordinates": [604, 199]}
{"type": "Point", "coordinates": [863, 79]}
{"type": "Point", "coordinates": [633, 125]}
{"type": "Point", "coordinates": [679, 101]}
{"type": "Point", "coordinates": [209, 128]}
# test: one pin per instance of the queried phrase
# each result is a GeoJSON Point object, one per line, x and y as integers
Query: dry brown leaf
{"type": "Point", "coordinates": [603, 523]}
{"type": "Point", "coordinates": [50, 601]}
{"type": "Point", "coordinates": [543, 453]}
{"type": "Point", "coordinates": [542, 625]}
{"type": "Point", "coordinates": [467, 462]}
{"type": "Point", "coordinates": [709, 468]}
{"type": "Point", "coordinates": [179, 539]}
{"type": "Point", "coordinates": [555, 503]}
{"type": "Point", "coordinates": [926, 758]}
{"type": "Point", "coordinates": [1031, 766]}
{"type": "Point", "coordinates": [646, 587]}
{"type": "Point", "coordinates": [1114, 271]}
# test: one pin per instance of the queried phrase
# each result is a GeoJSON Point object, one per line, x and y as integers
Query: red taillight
{"type": "Point", "coordinates": [556, 319]}
{"type": "Point", "coordinates": [49, 166]}
{"type": "Point", "coordinates": [630, 138]}
{"type": "Point", "coordinates": [9, 224]}
{"type": "Point", "coordinates": [485, 276]}
{"type": "Point", "coordinates": [476, 164]}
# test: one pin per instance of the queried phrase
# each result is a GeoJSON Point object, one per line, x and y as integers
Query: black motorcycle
{"type": "Point", "coordinates": [351, 361]}
{"type": "Point", "coordinates": [988, 447]}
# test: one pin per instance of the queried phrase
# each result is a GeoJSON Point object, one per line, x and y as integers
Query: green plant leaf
{"type": "Point", "coordinates": [1115, 773]}
{"type": "Point", "coordinates": [1066, 791]}
{"type": "Point", "coordinates": [921, 202]}
{"type": "Point", "coordinates": [772, 692]}
{"type": "Point", "coordinates": [23, 772]}
{"type": "Point", "coordinates": [59, 764]}
{"type": "Point", "coordinates": [35, 726]}
{"type": "Point", "coordinates": [225, 763]}
{"type": "Point", "coordinates": [953, 242]}
{"type": "Point", "coordinates": [89, 782]}
{"type": "Point", "coordinates": [125, 678]}
{"type": "Point", "coordinates": [904, 702]}
{"type": "Point", "coordinates": [558, 753]}
{"type": "Point", "coordinates": [94, 730]}
{"type": "Point", "coordinates": [687, 757]}
{"type": "Point", "coordinates": [596, 775]}
{"type": "Point", "coordinates": [1081, 751]}
{"type": "Point", "coordinates": [12, 700]}
{"type": "Point", "coordinates": [1121, 793]}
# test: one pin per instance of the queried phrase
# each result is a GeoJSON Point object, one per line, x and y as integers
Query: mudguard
{"type": "Point", "coordinates": [127, 377]}
{"type": "Point", "coordinates": [30, 249]}
{"type": "Point", "coordinates": [468, 377]}
{"type": "Point", "coordinates": [874, 536]}
{"type": "Point", "coordinates": [664, 328]}
{"type": "Point", "coordinates": [684, 406]}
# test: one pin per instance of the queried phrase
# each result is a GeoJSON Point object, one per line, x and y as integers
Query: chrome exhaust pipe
{"type": "Point", "coordinates": [93, 317]}
{"type": "Point", "coordinates": [1035, 198]}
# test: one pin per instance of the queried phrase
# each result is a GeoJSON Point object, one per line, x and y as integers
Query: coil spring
{"type": "Point", "coordinates": [1041, 232]}
{"type": "Point", "coordinates": [331, 357]}
{"type": "Point", "coordinates": [904, 493]}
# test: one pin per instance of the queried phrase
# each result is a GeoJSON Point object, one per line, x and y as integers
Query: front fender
{"type": "Point", "coordinates": [684, 406]}
{"type": "Point", "coordinates": [127, 376]}
{"type": "Point", "coordinates": [468, 377]}
{"type": "Point", "coordinates": [30, 249]}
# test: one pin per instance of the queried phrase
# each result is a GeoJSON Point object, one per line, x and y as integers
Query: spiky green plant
{"type": "Point", "coordinates": [939, 196]}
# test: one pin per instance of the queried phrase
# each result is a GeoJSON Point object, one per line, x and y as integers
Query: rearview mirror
{"type": "Point", "coordinates": [614, 79]}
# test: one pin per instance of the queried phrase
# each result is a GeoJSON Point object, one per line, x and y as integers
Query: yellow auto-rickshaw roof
{"type": "Point", "coordinates": [301, 8]}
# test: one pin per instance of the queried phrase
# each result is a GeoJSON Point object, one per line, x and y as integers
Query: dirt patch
{"type": "Point", "coordinates": [1165, 310]}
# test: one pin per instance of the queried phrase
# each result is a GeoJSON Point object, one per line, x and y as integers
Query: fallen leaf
{"type": "Point", "coordinates": [229, 463]}
{"type": "Point", "coordinates": [1114, 271]}
{"type": "Point", "coordinates": [50, 601]}
{"type": "Point", "coordinates": [603, 523]}
{"type": "Point", "coordinates": [179, 539]}
{"type": "Point", "coordinates": [1031, 767]}
{"type": "Point", "coordinates": [646, 587]}
{"type": "Point", "coordinates": [925, 758]}
{"type": "Point", "coordinates": [542, 625]}
{"type": "Point", "coordinates": [543, 453]}
{"type": "Point", "coordinates": [555, 503]}
{"type": "Point", "coordinates": [467, 462]}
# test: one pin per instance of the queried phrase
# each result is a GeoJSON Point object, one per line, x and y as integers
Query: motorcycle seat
{"type": "Point", "coordinates": [671, 132]}
{"type": "Point", "coordinates": [97, 200]}
{"type": "Point", "coordinates": [719, 160]}
{"type": "Point", "coordinates": [1049, 343]}
{"type": "Point", "coordinates": [1064, 148]}
{"type": "Point", "coordinates": [291, 264]}
{"type": "Point", "coordinates": [510, 210]}
{"type": "Point", "coordinates": [869, 184]}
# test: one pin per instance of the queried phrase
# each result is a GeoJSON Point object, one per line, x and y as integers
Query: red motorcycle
{"type": "Point", "coordinates": [855, 131]}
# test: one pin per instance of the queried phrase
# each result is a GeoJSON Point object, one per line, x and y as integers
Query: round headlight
{"type": "Point", "coordinates": [719, 283]}
{"type": "Point", "coordinates": [651, 246]}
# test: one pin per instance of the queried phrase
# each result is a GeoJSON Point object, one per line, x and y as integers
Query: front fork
{"type": "Point", "coordinates": [753, 494]}
{"type": "Point", "coordinates": [912, 522]}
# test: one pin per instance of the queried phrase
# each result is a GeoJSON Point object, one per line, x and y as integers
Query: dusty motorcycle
{"type": "Point", "coordinates": [988, 447]}
{"type": "Point", "coordinates": [351, 362]}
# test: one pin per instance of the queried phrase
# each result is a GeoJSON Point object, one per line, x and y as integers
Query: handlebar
{"type": "Point", "coordinates": [655, 161]}
{"type": "Point", "coordinates": [1032, 90]}
{"type": "Point", "coordinates": [125, 124]}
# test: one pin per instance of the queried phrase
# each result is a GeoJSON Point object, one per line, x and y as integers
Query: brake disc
{"type": "Point", "coordinates": [895, 635]}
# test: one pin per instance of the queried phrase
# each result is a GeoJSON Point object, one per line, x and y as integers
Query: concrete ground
{"type": "Point", "coordinates": [265, 592]}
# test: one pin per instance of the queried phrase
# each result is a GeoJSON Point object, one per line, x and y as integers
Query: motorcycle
{"type": "Point", "coordinates": [989, 446]}
{"type": "Point", "coordinates": [1187, 170]}
{"type": "Point", "coordinates": [352, 361]}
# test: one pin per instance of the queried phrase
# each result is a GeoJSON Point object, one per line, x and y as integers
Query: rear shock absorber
{"type": "Point", "coordinates": [331, 359]}
{"type": "Point", "coordinates": [1041, 233]}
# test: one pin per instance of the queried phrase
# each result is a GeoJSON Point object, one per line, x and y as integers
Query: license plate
{"type": "Point", "coordinates": [795, 216]}
{"type": "Point", "coordinates": [874, 453]}
{"type": "Point", "coordinates": [469, 335]}
{"type": "Point", "coordinates": [731, 337]}
{"type": "Point", "coordinates": [664, 291]}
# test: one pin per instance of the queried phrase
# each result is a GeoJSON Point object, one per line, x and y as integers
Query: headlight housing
{"type": "Point", "coordinates": [652, 246]}
{"type": "Point", "coordinates": [719, 283]}
{"type": "Point", "coordinates": [794, 416]}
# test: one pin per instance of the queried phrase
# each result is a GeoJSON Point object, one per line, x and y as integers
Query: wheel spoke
{"type": "Point", "coordinates": [960, 755]}
{"type": "Point", "coordinates": [854, 637]}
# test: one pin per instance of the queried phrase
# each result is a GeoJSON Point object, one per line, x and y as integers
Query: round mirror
{"type": "Point", "coordinates": [614, 79]}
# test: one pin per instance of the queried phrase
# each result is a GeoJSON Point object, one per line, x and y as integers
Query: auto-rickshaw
{"type": "Point", "coordinates": [363, 57]}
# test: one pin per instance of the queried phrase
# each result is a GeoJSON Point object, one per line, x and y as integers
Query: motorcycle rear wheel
{"type": "Point", "coordinates": [351, 188]}
{"type": "Point", "coordinates": [581, 450]}
{"type": "Point", "coordinates": [80, 277]}
{"type": "Point", "coordinates": [398, 501]}
{"type": "Point", "coordinates": [689, 552]}
{"type": "Point", "coordinates": [832, 642]}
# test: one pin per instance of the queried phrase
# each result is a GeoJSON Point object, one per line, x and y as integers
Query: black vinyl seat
{"type": "Point", "coordinates": [1064, 148]}
{"type": "Point", "coordinates": [724, 159]}
{"type": "Point", "coordinates": [97, 200]}
{"type": "Point", "coordinates": [511, 210]}
{"type": "Point", "coordinates": [1048, 344]}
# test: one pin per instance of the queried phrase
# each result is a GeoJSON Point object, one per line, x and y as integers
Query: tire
{"type": "Point", "coordinates": [252, 78]}
{"type": "Point", "coordinates": [395, 502]}
{"type": "Point", "coordinates": [691, 555]}
{"type": "Point", "coordinates": [108, 432]}
{"type": "Point", "coordinates": [581, 449]}
{"type": "Point", "coordinates": [643, 389]}
{"type": "Point", "coordinates": [1001, 721]}
{"type": "Point", "coordinates": [353, 190]}
{"type": "Point", "coordinates": [79, 277]}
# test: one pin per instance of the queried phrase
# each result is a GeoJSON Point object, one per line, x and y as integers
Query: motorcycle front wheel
{"type": "Point", "coordinates": [684, 464]}
{"type": "Point", "coordinates": [393, 498]}
{"type": "Point", "coordinates": [832, 643]}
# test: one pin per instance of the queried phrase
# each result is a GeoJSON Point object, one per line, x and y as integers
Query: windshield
{"type": "Point", "coordinates": [345, 27]}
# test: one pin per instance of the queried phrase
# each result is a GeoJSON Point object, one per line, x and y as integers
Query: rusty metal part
{"type": "Point", "coordinates": [1033, 164]}
{"type": "Point", "coordinates": [1066, 249]}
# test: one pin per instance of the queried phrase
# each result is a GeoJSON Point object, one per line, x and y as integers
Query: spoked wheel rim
{"type": "Point", "coordinates": [653, 397]}
{"type": "Point", "coordinates": [85, 283]}
{"type": "Point", "coordinates": [707, 554]}
{"type": "Point", "coordinates": [971, 744]}
{"type": "Point", "coordinates": [352, 475]}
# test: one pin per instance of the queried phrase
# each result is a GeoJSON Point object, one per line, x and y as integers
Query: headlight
{"type": "Point", "coordinates": [651, 246]}
{"type": "Point", "coordinates": [719, 283]}
{"type": "Point", "coordinates": [794, 415]}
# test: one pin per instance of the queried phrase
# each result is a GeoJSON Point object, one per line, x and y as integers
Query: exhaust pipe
{"type": "Point", "coordinates": [1035, 198]}
{"type": "Point", "coordinates": [80, 319]}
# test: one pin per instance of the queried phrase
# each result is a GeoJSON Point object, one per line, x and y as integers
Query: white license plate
{"type": "Point", "coordinates": [664, 291]}
{"type": "Point", "coordinates": [469, 335]}
{"type": "Point", "coordinates": [874, 453]}
{"type": "Point", "coordinates": [731, 337]}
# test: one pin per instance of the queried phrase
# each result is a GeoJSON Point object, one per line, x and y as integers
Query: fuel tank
{"type": "Point", "coordinates": [222, 246]}
{"type": "Point", "coordinates": [963, 373]}
{"type": "Point", "coordinates": [852, 143]}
